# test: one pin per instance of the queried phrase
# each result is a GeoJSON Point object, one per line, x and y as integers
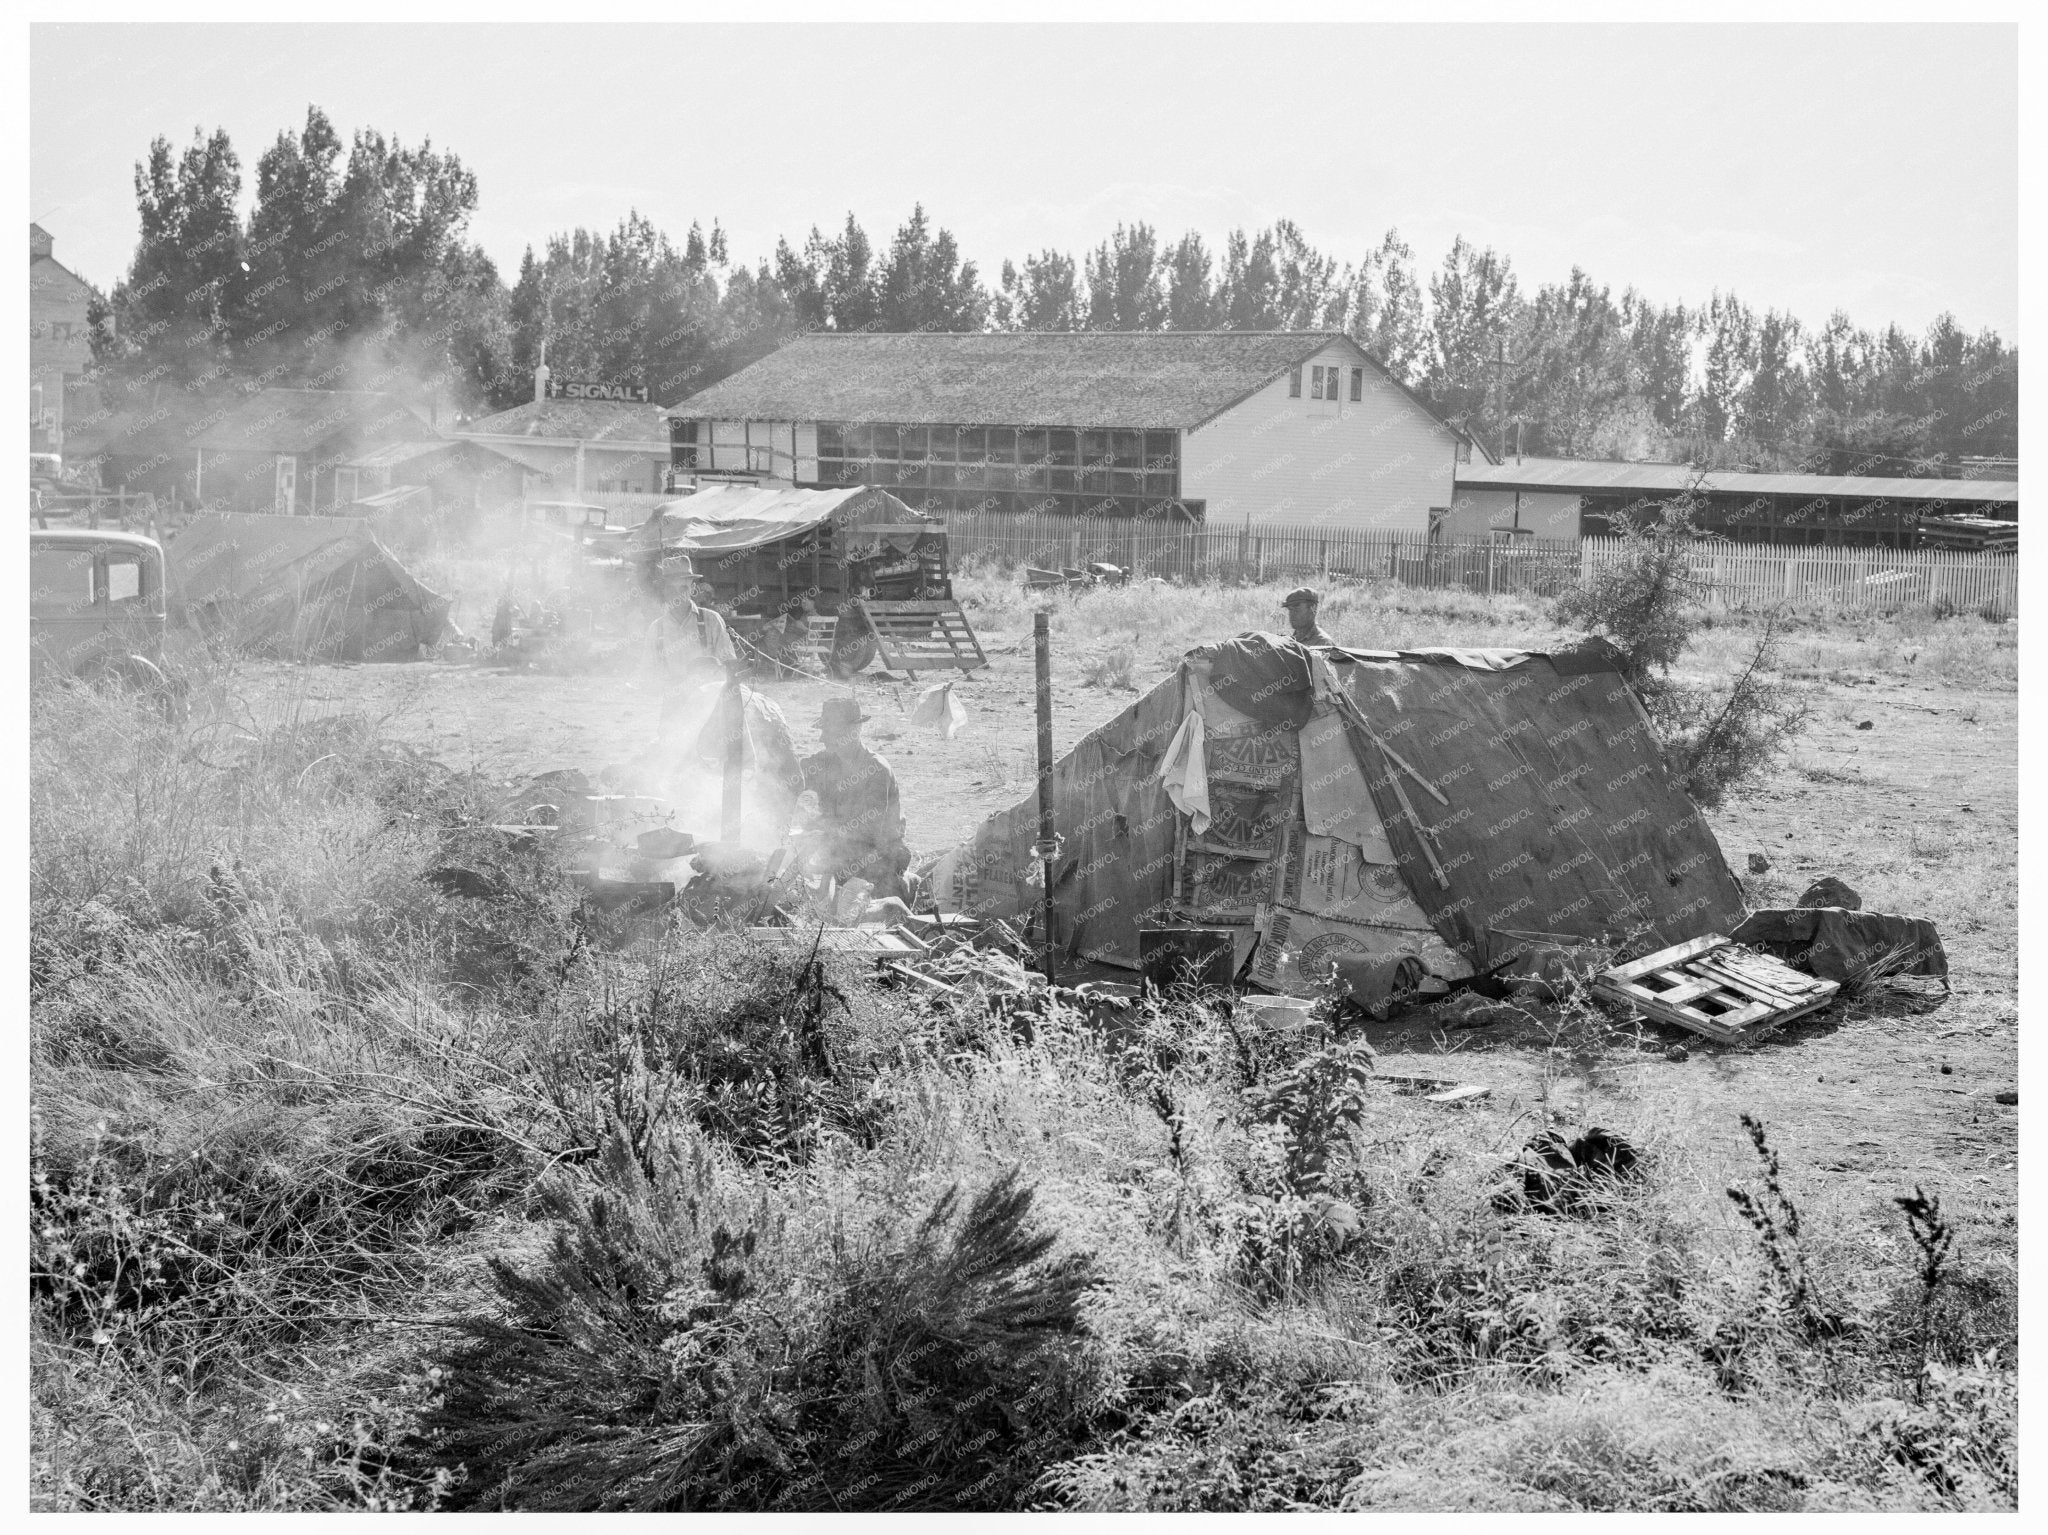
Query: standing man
{"type": "Point", "coordinates": [860, 815]}
{"type": "Point", "coordinates": [1302, 603]}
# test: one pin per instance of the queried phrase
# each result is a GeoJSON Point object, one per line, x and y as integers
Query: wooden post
{"type": "Point", "coordinates": [733, 709]}
{"type": "Point", "coordinates": [1047, 849]}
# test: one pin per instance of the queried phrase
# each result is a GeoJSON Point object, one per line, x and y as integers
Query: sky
{"type": "Point", "coordinates": [1809, 168]}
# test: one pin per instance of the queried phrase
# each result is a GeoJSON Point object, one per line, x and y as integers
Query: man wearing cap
{"type": "Point", "coordinates": [1301, 605]}
{"type": "Point", "coordinates": [860, 815]}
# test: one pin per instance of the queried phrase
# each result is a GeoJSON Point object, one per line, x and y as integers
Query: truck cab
{"type": "Point", "coordinates": [96, 598]}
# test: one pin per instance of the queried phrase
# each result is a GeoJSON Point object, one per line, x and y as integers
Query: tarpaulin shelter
{"type": "Point", "coordinates": [759, 545]}
{"type": "Point", "coordinates": [309, 588]}
{"type": "Point", "coordinates": [1470, 811]}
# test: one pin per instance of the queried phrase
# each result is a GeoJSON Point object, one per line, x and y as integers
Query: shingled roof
{"type": "Point", "coordinates": [585, 420]}
{"type": "Point", "coordinates": [1007, 378]}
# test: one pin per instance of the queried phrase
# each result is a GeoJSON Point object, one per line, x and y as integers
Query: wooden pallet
{"type": "Point", "coordinates": [1715, 988]}
{"type": "Point", "coordinates": [922, 636]}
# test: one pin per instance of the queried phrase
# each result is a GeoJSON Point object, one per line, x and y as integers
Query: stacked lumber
{"type": "Point", "coordinates": [1987, 534]}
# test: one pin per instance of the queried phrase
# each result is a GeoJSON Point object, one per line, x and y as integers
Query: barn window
{"type": "Point", "coordinates": [1358, 383]}
{"type": "Point", "coordinates": [1294, 385]}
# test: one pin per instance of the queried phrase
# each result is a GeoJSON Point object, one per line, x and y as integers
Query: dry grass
{"type": "Point", "coordinates": [279, 1124]}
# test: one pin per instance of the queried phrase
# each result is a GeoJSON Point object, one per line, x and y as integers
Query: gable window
{"type": "Point", "coordinates": [1294, 384]}
{"type": "Point", "coordinates": [1358, 383]}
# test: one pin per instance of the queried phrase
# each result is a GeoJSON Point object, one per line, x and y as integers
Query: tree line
{"type": "Point", "coordinates": [354, 269]}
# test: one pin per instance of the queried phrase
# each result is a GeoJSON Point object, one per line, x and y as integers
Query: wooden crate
{"type": "Point", "coordinates": [1715, 988]}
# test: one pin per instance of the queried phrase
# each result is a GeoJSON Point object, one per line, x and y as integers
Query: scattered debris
{"type": "Point", "coordinates": [1435, 1089]}
{"type": "Point", "coordinates": [1570, 1177]}
{"type": "Point", "coordinates": [1469, 1009]}
{"type": "Point", "coordinates": [465, 882]}
{"type": "Point", "coordinates": [1829, 891]}
{"type": "Point", "coordinates": [1715, 989]}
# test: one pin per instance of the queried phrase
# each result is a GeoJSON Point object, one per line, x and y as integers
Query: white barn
{"type": "Point", "coordinates": [1293, 427]}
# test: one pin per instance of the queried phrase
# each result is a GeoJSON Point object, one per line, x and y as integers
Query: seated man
{"type": "Point", "coordinates": [859, 828]}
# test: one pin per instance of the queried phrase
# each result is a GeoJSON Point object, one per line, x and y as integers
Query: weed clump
{"type": "Point", "coordinates": [659, 1360]}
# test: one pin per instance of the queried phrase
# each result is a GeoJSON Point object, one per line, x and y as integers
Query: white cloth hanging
{"type": "Point", "coordinates": [1184, 770]}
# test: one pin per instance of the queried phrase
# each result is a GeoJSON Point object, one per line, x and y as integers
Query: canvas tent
{"type": "Point", "coordinates": [310, 588]}
{"type": "Point", "coordinates": [1467, 811]}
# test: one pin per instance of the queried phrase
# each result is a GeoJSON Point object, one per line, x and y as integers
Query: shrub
{"type": "Point", "coordinates": [1646, 605]}
{"type": "Point", "coordinates": [1641, 602]}
{"type": "Point", "coordinates": [1115, 667]}
{"type": "Point", "coordinates": [661, 1360]}
{"type": "Point", "coordinates": [759, 1046]}
{"type": "Point", "coordinates": [1292, 1216]}
{"type": "Point", "coordinates": [1719, 740]}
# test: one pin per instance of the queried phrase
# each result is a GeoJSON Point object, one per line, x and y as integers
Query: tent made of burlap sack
{"type": "Point", "coordinates": [307, 588]}
{"type": "Point", "coordinates": [1469, 811]}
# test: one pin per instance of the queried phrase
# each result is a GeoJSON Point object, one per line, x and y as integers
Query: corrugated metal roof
{"type": "Point", "coordinates": [1602, 477]}
{"type": "Point", "coordinates": [1128, 379]}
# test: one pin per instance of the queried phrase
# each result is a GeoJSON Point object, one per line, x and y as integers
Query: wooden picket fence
{"type": "Point", "coordinates": [1739, 576]}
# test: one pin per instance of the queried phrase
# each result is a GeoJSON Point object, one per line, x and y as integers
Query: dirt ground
{"type": "Point", "coordinates": [1918, 812]}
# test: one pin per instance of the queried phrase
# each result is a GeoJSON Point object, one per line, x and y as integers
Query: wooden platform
{"type": "Point", "coordinates": [879, 941]}
{"type": "Point", "coordinates": [1714, 988]}
{"type": "Point", "coordinates": [922, 636]}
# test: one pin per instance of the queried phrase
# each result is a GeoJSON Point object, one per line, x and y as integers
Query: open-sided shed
{"type": "Point", "coordinates": [1472, 810]}
{"type": "Point", "coordinates": [874, 571]}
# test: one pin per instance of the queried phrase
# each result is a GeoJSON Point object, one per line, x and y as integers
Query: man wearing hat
{"type": "Point", "coordinates": [1301, 604]}
{"type": "Point", "coordinates": [859, 825]}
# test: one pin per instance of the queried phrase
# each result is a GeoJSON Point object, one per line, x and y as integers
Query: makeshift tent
{"type": "Point", "coordinates": [1467, 810]}
{"type": "Point", "coordinates": [309, 588]}
{"type": "Point", "coordinates": [831, 543]}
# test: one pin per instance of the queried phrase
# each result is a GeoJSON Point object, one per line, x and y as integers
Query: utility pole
{"type": "Point", "coordinates": [1500, 399]}
{"type": "Point", "coordinates": [1047, 848]}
